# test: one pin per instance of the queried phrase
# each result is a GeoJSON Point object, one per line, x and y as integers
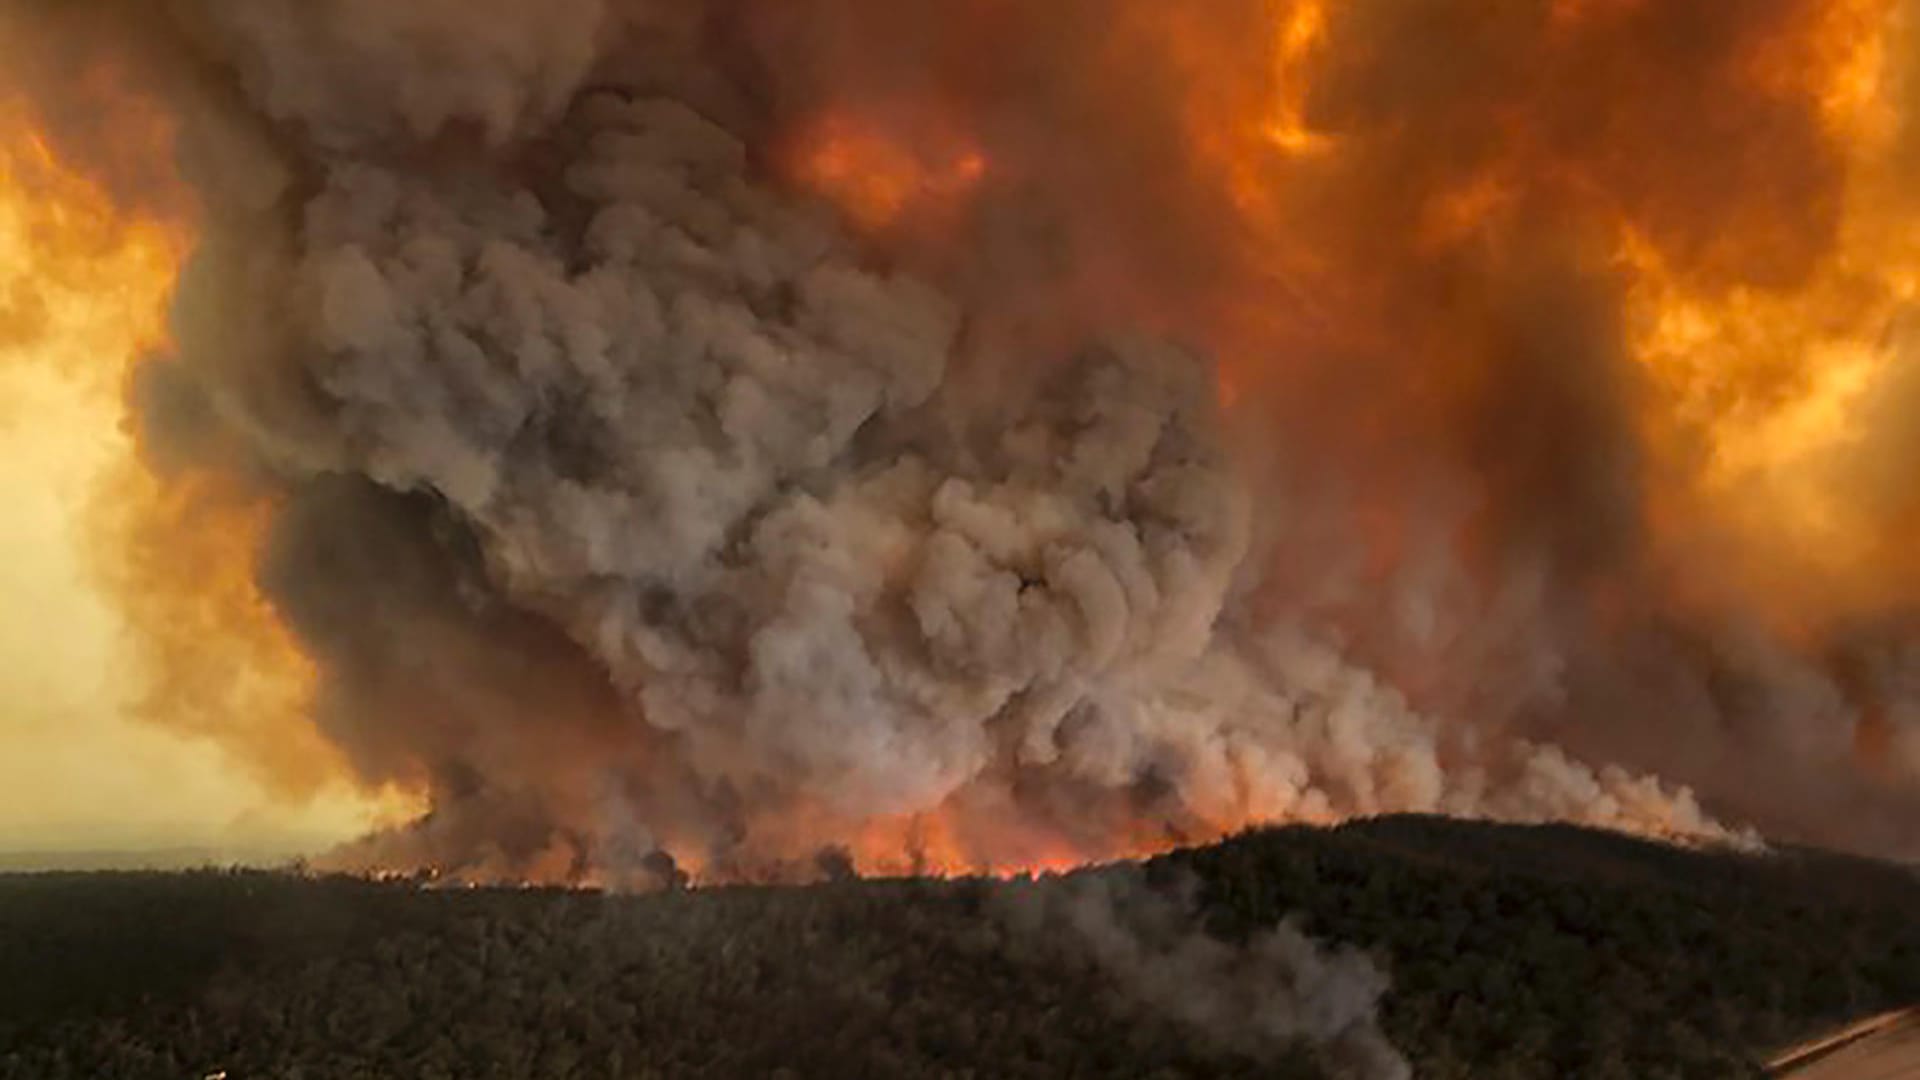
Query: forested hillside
{"type": "Point", "coordinates": [1553, 951]}
{"type": "Point", "coordinates": [1511, 952]}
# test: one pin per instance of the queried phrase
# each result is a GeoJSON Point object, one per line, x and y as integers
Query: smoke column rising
{"type": "Point", "coordinates": [1275, 992]}
{"type": "Point", "coordinates": [991, 435]}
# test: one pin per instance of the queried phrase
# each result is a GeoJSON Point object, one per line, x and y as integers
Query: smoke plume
{"type": "Point", "coordinates": [982, 435]}
{"type": "Point", "coordinates": [1271, 994]}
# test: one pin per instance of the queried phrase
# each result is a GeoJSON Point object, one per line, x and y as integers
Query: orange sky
{"type": "Point", "coordinates": [77, 770]}
{"type": "Point", "coordinates": [82, 293]}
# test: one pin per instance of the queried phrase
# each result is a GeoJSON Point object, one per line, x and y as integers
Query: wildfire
{"type": "Point", "coordinates": [1766, 329]}
{"type": "Point", "coordinates": [951, 843]}
{"type": "Point", "coordinates": [1482, 283]}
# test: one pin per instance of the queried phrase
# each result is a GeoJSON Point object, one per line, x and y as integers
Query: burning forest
{"type": "Point", "coordinates": [733, 438]}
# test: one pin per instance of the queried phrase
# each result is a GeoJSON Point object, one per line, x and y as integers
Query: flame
{"type": "Point", "coordinates": [947, 842]}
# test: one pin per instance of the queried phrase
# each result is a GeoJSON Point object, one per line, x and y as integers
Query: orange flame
{"type": "Point", "coordinates": [959, 839]}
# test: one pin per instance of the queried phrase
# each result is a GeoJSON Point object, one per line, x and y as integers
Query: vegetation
{"type": "Point", "coordinates": [1560, 952]}
{"type": "Point", "coordinates": [1514, 952]}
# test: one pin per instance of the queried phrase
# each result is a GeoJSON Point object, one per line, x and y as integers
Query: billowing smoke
{"type": "Point", "coordinates": [1273, 993]}
{"type": "Point", "coordinates": [990, 434]}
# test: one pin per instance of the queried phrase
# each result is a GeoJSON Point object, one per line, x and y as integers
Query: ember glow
{"type": "Point", "coordinates": [877, 180]}
{"type": "Point", "coordinates": [991, 436]}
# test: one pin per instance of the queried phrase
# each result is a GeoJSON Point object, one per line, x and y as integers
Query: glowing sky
{"type": "Point", "coordinates": [76, 769]}
{"type": "Point", "coordinates": [80, 295]}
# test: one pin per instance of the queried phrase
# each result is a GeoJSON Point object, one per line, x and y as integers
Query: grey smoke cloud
{"type": "Point", "coordinates": [703, 440]}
